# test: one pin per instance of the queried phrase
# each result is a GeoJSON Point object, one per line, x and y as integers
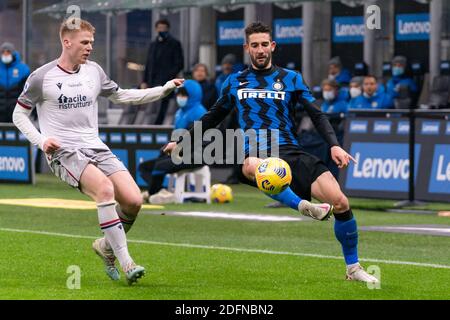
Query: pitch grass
{"type": "Point", "coordinates": [34, 266]}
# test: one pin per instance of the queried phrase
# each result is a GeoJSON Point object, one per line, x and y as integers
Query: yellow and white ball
{"type": "Point", "coordinates": [221, 193]}
{"type": "Point", "coordinates": [273, 175]}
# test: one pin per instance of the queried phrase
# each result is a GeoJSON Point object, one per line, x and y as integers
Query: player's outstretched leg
{"type": "Point", "coordinates": [345, 228]}
{"type": "Point", "coordinates": [320, 211]}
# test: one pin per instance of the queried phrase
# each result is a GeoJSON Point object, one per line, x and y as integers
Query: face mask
{"type": "Point", "coordinates": [331, 77]}
{"type": "Point", "coordinates": [397, 71]}
{"type": "Point", "coordinates": [163, 34]}
{"type": "Point", "coordinates": [354, 92]}
{"type": "Point", "coordinates": [7, 59]}
{"type": "Point", "coordinates": [182, 101]}
{"type": "Point", "coordinates": [328, 95]}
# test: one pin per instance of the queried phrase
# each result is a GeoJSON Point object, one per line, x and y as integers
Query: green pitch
{"type": "Point", "coordinates": [206, 258]}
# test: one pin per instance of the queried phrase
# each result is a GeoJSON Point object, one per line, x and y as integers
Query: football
{"type": "Point", "coordinates": [221, 193]}
{"type": "Point", "coordinates": [273, 175]}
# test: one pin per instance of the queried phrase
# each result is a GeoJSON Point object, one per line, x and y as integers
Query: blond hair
{"type": "Point", "coordinates": [75, 25]}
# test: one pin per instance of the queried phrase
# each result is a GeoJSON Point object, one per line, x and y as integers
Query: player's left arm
{"type": "Point", "coordinates": [340, 156]}
{"type": "Point", "coordinates": [321, 122]}
{"type": "Point", "coordinates": [141, 96]}
{"type": "Point", "coordinates": [114, 93]}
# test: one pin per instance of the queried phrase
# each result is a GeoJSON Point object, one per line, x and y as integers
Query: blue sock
{"type": "Point", "coordinates": [346, 232]}
{"type": "Point", "coordinates": [288, 197]}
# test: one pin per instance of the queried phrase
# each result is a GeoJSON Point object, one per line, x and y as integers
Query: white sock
{"type": "Point", "coordinates": [114, 233]}
{"type": "Point", "coordinates": [350, 266]}
{"type": "Point", "coordinates": [127, 223]}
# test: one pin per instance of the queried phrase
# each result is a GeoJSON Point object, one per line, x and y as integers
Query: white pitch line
{"type": "Point", "coordinates": [199, 246]}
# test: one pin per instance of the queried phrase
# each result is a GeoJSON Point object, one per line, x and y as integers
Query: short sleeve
{"type": "Point", "coordinates": [32, 92]}
{"type": "Point", "coordinates": [108, 86]}
{"type": "Point", "coordinates": [302, 89]}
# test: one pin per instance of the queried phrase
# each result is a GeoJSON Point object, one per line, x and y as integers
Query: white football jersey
{"type": "Point", "coordinates": [66, 102]}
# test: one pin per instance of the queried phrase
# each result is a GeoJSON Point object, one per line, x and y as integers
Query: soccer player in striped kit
{"type": "Point", "coordinates": [265, 97]}
{"type": "Point", "coordinates": [65, 93]}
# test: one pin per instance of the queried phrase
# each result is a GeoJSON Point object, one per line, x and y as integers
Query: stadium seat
{"type": "Point", "coordinates": [439, 94]}
{"type": "Point", "coordinates": [387, 73]}
{"type": "Point", "coordinates": [440, 87]}
{"type": "Point", "coordinates": [360, 69]}
{"type": "Point", "coordinates": [147, 113]}
{"type": "Point", "coordinates": [317, 92]}
{"type": "Point", "coordinates": [172, 108]}
{"type": "Point", "coordinates": [403, 100]}
{"type": "Point", "coordinates": [200, 179]}
{"type": "Point", "coordinates": [128, 115]}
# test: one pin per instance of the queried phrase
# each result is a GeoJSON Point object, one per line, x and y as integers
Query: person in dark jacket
{"type": "Point", "coordinates": [200, 74]}
{"type": "Point", "coordinates": [13, 74]}
{"type": "Point", "coordinates": [164, 61]}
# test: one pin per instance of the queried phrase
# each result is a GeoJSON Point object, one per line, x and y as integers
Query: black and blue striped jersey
{"type": "Point", "coordinates": [267, 99]}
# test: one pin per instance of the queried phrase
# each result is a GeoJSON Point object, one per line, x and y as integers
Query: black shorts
{"type": "Point", "coordinates": [305, 167]}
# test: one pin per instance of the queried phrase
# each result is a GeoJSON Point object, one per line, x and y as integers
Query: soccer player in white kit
{"type": "Point", "coordinates": [65, 92]}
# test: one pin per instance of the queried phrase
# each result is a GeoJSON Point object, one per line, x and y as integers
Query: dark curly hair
{"type": "Point", "coordinates": [257, 27]}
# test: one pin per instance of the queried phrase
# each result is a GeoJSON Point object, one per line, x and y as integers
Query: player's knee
{"type": "Point", "coordinates": [132, 205]}
{"type": "Point", "coordinates": [341, 203]}
{"type": "Point", "coordinates": [249, 167]}
{"type": "Point", "coordinates": [105, 191]}
{"type": "Point", "coordinates": [247, 172]}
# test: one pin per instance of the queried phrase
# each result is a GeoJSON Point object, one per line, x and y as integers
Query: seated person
{"type": "Point", "coordinates": [371, 98]}
{"type": "Point", "coordinates": [336, 72]}
{"type": "Point", "coordinates": [200, 73]}
{"type": "Point", "coordinates": [153, 171]}
{"type": "Point", "coordinates": [399, 78]}
{"type": "Point", "coordinates": [355, 90]}
{"type": "Point", "coordinates": [333, 101]}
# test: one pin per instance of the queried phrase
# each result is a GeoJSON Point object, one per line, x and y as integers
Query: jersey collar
{"type": "Point", "coordinates": [264, 72]}
{"type": "Point", "coordinates": [69, 72]}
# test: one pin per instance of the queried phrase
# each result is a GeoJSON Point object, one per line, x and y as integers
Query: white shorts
{"type": "Point", "coordinates": [68, 164]}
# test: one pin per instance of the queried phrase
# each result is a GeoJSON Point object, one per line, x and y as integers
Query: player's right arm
{"type": "Point", "coordinates": [216, 114]}
{"type": "Point", "coordinates": [27, 100]}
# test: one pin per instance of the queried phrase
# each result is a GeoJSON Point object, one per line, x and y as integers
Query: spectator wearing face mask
{"type": "Point", "coordinates": [189, 100]}
{"type": "Point", "coordinates": [13, 74]}
{"type": "Point", "coordinates": [164, 61]}
{"type": "Point", "coordinates": [333, 102]}
{"type": "Point", "coordinates": [200, 74]}
{"type": "Point", "coordinates": [371, 97]}
{"type": "Point", "coordinates": [336, 72]}
{"type": "Point", "coordinates": [400, 78]}
{"type": "Point", "coordinates": [153, 171]}
{"type": "Point", "coordinates": [355, 90]}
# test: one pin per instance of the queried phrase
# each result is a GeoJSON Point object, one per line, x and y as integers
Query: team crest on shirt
{"type": "Point", "coordinates": [277, 86]}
